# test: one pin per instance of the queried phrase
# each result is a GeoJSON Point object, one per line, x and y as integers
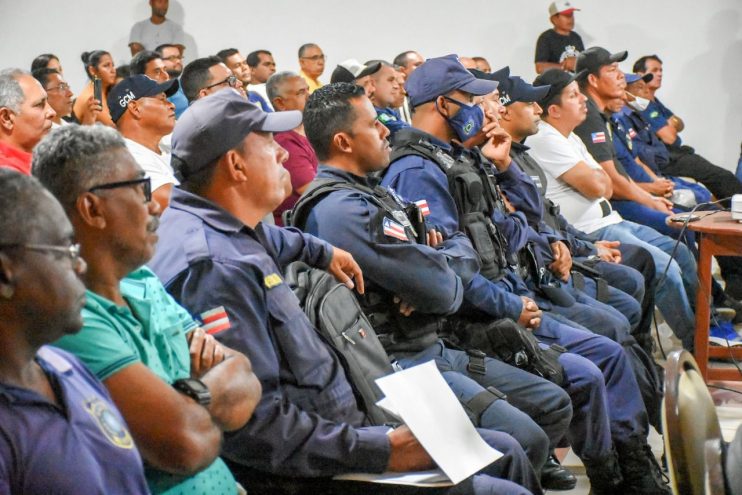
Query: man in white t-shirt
{"type": "Point", "coordinates": [155, 31]}
{"type": "Point", "coordinates": [143, 115]}
{"type": "Point", "coordinates": [578, 184]}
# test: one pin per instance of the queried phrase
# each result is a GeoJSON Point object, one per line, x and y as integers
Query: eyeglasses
{"type": "Point", "coordinates": [72, 251]}
{"type": "Point", "coordinates": [173, 58]}
{"type": "Point", "coordinates": [62, 87]}
{"type": "Point", "coordinates": [315, 58]}
{"type": "Point", "coordinates": [231, 81]}
{"type": "Point", "coordinates": [144, 181]}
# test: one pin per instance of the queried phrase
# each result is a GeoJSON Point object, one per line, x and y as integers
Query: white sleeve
{"type": "Point", "coordinates": [554, 153]}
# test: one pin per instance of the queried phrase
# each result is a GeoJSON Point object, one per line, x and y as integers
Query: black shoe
{"type": "Point", "coordinates": [604, 475]}
{"type": "Point", "coordinates": [736, 305]}
{"type": "Point", "coordinates": [554, 476]}
{"type": "Point", "coordinates": [642, 475]}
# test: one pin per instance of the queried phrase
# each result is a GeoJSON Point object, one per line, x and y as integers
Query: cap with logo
{"type": "Point", "coordinates": [351, 69]}
{"type": "Point", "coordinates": [513, 88]}
{"type": "Point", "coordinates": [595, 57]}
{"type": "Point", "coordinates": [439, 76]}
{"type": "Point", "coordinates": [557, 80]}
{"type": "Point", "coordinates": [213, 125]}
{"type": "Point", "coordinates": [631, 78]}
{"type": "Point", "coordinates": [135, 87]}
{"type": "Point", "coordinates": [561, 8]}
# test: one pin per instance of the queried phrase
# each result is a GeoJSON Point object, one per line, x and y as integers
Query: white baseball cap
{"type": "Point", "coordinates": [561, 8]}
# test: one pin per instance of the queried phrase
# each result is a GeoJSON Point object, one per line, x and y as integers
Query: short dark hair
{"type": "Point", "coordinates": [226, 53]}
{"type": "Point", "coordinates": [92, 59]}
{"type": "Point", "coordinates": [401, 59]}
{"type": "Point", "coordinates": [306, 46]}
{"type": "Point", "coordinates": [138, 64]}
{"type": "Point", "coordinates": [42, 61]}
{"type": "Point", "coordinates": [123, 71]}
{"type": "Point", "coordinates": [22, 210]}
{"type": "Point", "coordinates": [196, 76]}
{"type": "Point", "coordinates": [42, 75]}
{"type": "Point", "coordinates": [641, 63]}
{"type": "Point", "coordinates": [328, 111]}
{"type": "Point", "coordinates": [161, 48]}
{"type": "Point", "coordinates": [253, 58]}
{"type": "Point", "coordinates": [73, 158]}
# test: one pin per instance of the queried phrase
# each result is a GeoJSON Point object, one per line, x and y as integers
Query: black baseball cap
{"type": "Point", "coordinates": [213, 125]}
{"type": "Point", "coordinates": [441, 75]}
{"type": "Point", "coordinates": [513, 88]}
{"type": "Point", "coordinates": [557, 80]}
{"type": "Point", "coordinates": [135, 87]}
{"type": "Point", "coordinates": [350, 70]}
{"type": "Point", "coordinates": [595, 57]}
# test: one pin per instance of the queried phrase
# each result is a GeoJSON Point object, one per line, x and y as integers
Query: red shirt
{"type": "Point", "coordinates": [302, 166]}
{"type": "Point", "coordinates": [11, 157]}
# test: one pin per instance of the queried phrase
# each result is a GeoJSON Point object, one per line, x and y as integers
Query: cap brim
{"type": "Point", "coordinates": [479, 87]}
{"type": "Point", "coordinates": [370, 69]}
{"type": "Point", "coordinates": [535, 94]}
{"type": "Point", "coordinates": [280, 121]}
{"type": "Point", "coordinates": [500, 74]}
{"type": "Point", "coordinates": [341, 74]}
{"type": "Point", "coordinates": [169, 87]}
{"type": "Point", "coordinates": [568, 11]}
{"type": "Point", "coordinates": [618, 57]}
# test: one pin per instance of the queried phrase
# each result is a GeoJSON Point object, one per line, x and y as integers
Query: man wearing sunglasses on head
{"type": "Point", "coordinates": [177, 388]}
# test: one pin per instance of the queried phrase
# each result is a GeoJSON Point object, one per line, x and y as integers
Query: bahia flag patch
{"type": "Point", "coordinates": [423, 206]}
{"type": "Point", "coordinates": [393, 229]}
{"type": "Point", "coordinates": [215, 320]}
{"type": "Point", "coordinates": [598, 137]}
{"type": "Point", "coordinates": [632, 133]}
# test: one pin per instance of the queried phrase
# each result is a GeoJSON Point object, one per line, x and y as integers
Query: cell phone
{"type": "Point", "coordinates": [683, 218]}
{"type": "Point", "coordinates": [98, 89]}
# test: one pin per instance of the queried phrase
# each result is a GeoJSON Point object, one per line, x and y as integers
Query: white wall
{"type": "Point", "coordinates": [700, 42]}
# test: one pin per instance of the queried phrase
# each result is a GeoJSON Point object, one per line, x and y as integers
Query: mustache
{"type": "Point", "coordinates": [153, 224]}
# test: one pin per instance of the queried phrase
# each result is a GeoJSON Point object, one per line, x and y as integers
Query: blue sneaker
{"type": "Point", "coordinates": [723, 334]}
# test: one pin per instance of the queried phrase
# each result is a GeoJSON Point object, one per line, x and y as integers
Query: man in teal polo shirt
{"type": "Point", "coordinates": [177, 388]}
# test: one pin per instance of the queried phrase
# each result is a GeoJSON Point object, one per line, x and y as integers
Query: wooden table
{"type": "Point", "coordinates": [717, 235]}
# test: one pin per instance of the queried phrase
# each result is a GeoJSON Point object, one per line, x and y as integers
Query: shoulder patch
{"type": "Point", "coordinates": [423, 206]}
{"type": "Point", "coordinates": [393, 229]}
{"type": "Point", "coordinates": [598, 137]}
{"type": "Point", "coordinates": [215, 320]}
{"type": "Point", "coordinates": [111, 426]}
{"type": "Point", "coordinates": [272, 280]}
{"type": "Point", "coordinates": [654, 114]}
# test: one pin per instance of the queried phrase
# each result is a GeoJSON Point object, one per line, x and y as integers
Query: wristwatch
{"type": "Point", "coordinates": [195, 389]}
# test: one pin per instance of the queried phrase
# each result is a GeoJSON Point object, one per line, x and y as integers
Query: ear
{"type": "Point", "coordinates": [7, 118]}
{"type": "Point", "coordinates": [133, 109]}
{"type": "Point", "coordinates": [342, 142]}
{"type": "Point", "coordinates": [505, 114]}
{"type": "Point", "coordinates": [202, 92]}
{"type": "Point", "coordinates": [89, 208]}
{"type": "Point", "coordinates": [592, 80]}
{"type": "Point", "coordinates": [278, 103]}
{"type": "Point", "coordinates": [235, 166]}
{"type": "Point", "coordinates": [553, 111]}
{"type": "Point", "coordinates": [7, 282]}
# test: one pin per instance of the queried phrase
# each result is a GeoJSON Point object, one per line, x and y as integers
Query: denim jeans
{"type": "Point", "coordinates": [675, 293]}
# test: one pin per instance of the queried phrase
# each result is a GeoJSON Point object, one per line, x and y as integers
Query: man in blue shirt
{"type": "Point", "coordinates": [215, 253]}
{"type": "Point", "coordinates": [60, 431]}
{"type": "Point", "coordinates": [446, 113]}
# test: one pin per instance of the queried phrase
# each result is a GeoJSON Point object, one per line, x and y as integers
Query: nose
{"type": "Point", "coordinates": [537, 109]}
{"type": "Point", "coordinates": [154, 208]}
{"type": "Point", "coordinates": [50, 113]}
{"type": "Point", "coordinates": [80, 266]}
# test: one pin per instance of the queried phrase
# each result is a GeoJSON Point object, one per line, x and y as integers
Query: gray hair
{"type": "Point", "coordinates": [22, 207]}
{"type": "Point", "coordinates": [73, 158]}
{"type": "Point", "coordinates": [11, 93]}
{"type": "Point", "coordinates": [275, 82]}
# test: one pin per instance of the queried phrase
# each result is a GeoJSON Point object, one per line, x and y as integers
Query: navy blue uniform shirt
{"type": "Point", "coordinates": [82, 446]}
{"type": "Point", "coordinates": [307, 422]}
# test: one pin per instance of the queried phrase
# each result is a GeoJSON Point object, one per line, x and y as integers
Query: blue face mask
{"type": "Point", "coordinates": [468, 121]}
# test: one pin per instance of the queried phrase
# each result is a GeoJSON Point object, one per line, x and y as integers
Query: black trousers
{"type": "Point", "coordinates": [684, 161]}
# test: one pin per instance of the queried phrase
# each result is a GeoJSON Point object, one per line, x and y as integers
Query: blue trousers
{"type": "Point", "coordinates": [678, 288]}
{"type": "Point", "coordinates": [628, 281]}
{"type": "Point", "coordinates": [537, 412]}
{"type": "Point", "coordinates": [625, 409]}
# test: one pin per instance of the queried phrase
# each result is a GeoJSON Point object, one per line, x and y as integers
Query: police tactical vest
{"type": "Point", "coordinates": [472, 185]}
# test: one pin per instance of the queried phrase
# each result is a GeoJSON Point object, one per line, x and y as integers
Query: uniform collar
{"type": "Point", "coordinates": [212, 214]}
{"type": "Point", "coordinates": [518, 147]}
{"type": "Point", "coordinates": [325, 170]}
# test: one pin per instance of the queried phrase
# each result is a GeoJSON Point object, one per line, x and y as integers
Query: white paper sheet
{"type": "Point", "coordinates": [434, 478]}
{"type": "Point", "coordinates": [428, 406]}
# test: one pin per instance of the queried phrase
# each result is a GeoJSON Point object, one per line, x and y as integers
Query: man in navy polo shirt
{"type": "Point", "coordinates": [60, 432]}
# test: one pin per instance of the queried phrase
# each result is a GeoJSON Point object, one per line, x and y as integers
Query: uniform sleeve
{"type": "Point", "coordinates": [594, 133]}
{"type": "Point", "coordinates": [626, 159]}
{"type": "Point", "coordinates": [542, 48]}
{"type": "Point", "coordinates": [654, 115]}
{"type": "Point", "coordinates": [281, 437]}
{"type": "Point", "coordinates": [522, 193]}
{"type": "Point", "coordinates": [290, 244]}
{"type": "Point", "coordinates": [99, 346]}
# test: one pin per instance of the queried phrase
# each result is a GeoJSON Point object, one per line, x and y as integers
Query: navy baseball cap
{"type": "Point", "coordinates": [595, 57]}
{"type": "Point", "coordinates": [441, 75]}
{"type": "Point", "coordinates": [513, 88]}
{"type": "Point", "coordinates": [135, 87]}
{"type": "Point", "coordinates": [215, 124]}
{"type": "Point", "coordinates": [631, 78]}
{"type": "Point", "coordinates": [557, 80]}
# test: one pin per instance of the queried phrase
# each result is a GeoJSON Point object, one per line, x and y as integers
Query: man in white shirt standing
{"type": "Point", "coordinates": [155, 31]}
{"type": "Point", "coordinates": [143, 115]}
{"type": "Point", "coordinates": [581, 188]}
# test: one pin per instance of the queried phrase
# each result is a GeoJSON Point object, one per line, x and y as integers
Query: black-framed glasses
{"type": "Point", "coordinates": [145, 182]}
{"type": "Point", "coordinates": [72, 251]}
{"type": "Point", "coordinates": [231, 81]}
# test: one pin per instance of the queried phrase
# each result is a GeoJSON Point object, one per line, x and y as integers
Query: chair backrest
{"type": "Point", "coordinates": [693, 441]}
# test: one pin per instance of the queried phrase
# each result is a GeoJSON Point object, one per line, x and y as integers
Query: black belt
{"type": "Point", "coordinates": [605, 207]}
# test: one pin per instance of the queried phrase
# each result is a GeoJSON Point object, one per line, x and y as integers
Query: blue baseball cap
{"type": "Point", "coordinates": [135, 87]}
{"type": "Point", "coordinates": [631, 78]}
{"type": "Point", "coordinates": [441, 75]}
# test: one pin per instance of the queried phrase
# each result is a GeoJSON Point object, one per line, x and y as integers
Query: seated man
{"type": "Point", "coordinates": [25, 117]}
{"type": "Point", "coordinates": [143, 116]}
{"type": "Point", "coordinates": [60, 98]}
{"type": "Point", "coordinates": [150, 64]}
{"type": "Point", "coordinates": [215, 253]}
{"type": "Point", "coordinates": [234, 60]}
{"type": "Point", "coordinates": [352, 71]}
{"type": "Point", "coordinates": [60, 431]}
{"type": "Point", "coordinates": [580, 186]}
{"type": "Point", "coordinates": [387, 96]}
{"type": "Point", "coordinates": [684, 161]}
{"type": "Point", "coordinates": [136, 338]}
{"type": "Point", "coordinates": [289, 91]}
{"type": "Point", "coordinates": [172, 57]}
{"type": "Point", "coordinates": [262, 67]}
{"type": "Point", "coordinates": [207, 75]}
{"type": "Point", "coordinates": [311, 64]}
